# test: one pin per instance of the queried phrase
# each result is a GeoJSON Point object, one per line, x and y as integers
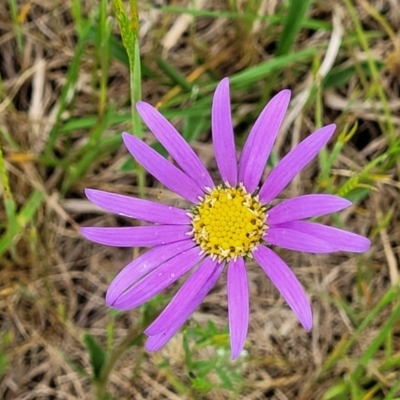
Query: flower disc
{"type": "Point", "coordinates": [228, 223]}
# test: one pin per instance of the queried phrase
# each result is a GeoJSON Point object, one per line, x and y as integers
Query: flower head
{"type": "Point", "coordinates": [224, 225]}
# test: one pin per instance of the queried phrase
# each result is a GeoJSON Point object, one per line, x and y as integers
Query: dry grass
{"type": "Point", "coordinates": [52, 281]}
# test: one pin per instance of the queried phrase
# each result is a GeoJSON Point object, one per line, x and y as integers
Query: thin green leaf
{"type": "Point", "coordinates": [294, 18]}
{"type": "Point", "coordinates": [97, 355]}
{"type": "Point", "coordinates": [392, 294]}
{"type": "Point", "coordinates": [71, 78]}
{"type": "Point", "coordinates": [23, 218]}
{"type": "Point", "coordinates": [176, 77]}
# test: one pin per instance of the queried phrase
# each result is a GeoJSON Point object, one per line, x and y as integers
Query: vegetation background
{"type": "Point", "coordinates": [65, 97]}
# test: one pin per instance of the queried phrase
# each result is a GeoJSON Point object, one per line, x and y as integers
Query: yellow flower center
{"type": "Point", "coordinates": [228, 223]}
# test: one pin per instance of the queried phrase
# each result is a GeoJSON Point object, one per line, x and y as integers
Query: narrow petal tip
{"type": "Point", "coordinates": [346, 203]}
{"type": "Point", "coordinates": [112, 295]}
{"type": "Point", "coordinates": [108, 300]}
{"type": "Point", "coordinates": [238, 305]}
{"type": "Point", "coordinates": [326, 132]}
{"type": "Point", "coordinates": [222, 133]}
{"type": "Point", "coordinates": [140, 105]}
{"type": "Point", "coordinates": [94, 195]}
{"type": "Point", "coordinates": [224, 81]}
{"type": "Point", "coordinates": [85, 231]}
{"type": "Point", "coordinates": [363, 245]}
{"type": "Point", "coordinates": [235, 355]}
{"type": "Point", "coordinates": [127, 139]}
{"type": "Point", "coordinates": [306, 206]}
{"type": "Point", "coordinates": [287, 93]}
{"type": "Point", "coordinates": [89, 193]}
{"type": "Point", "coordinates": [95, 234]}
{"type": "Point", "coordinates": [126, 136]}
{"type": "Point", "coordinates": [307, 319]}
{"type": "Point", "coordinates": [260, 141]}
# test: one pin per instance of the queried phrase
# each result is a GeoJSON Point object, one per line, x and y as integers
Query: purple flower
{"type": "Point", "coordinates": [225, 223]}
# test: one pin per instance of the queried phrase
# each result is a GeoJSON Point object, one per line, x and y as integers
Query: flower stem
{"type": "Point", "coordinates": [115, 355]}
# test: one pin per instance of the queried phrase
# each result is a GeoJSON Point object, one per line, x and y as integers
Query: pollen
{"type": "Point", "coordinates": [228, 223]}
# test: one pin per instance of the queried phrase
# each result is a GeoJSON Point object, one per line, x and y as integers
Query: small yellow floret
{"type": "Point", "coordinates": [228, 223]}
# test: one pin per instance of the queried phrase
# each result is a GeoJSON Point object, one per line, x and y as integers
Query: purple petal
{"type": "Point", "coordinates": [222, 133]}
{"type": "Point", "coordinates": [176, 146]}
{"type": "Point", "coordinates": [261, 139]}
{"type": "Point", "coordinates": [310, 205]}
{"type": "Point", "coordinates": [170, 176]}
{"type": "Point", "coordinates": [238, 305]}
{"type": "Point", "coordinates": [294, 240]}
{"type": "Point", "coordinates": [342, 240]}
{"type": "Point", "coordinates": [155, 342]}
{"type": "Point", "coordinates": [137, 236]}
{"type": "Point", "coordinates": [294, 162]}
{"type": "Point", "coordinates": [287, 284]}
{"type": "Point", "coordinates": [183, 297]}
{"type": "Point", "coordinates": [137, 208]}
{"type": "Point", "coordinates": [158, 279]}
{"type": "Point", "coordinates": [143, 265]}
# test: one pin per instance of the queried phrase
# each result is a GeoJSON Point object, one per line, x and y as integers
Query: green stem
{"type": "Point", "coordinates": [115, 355]}
{"type": "Point", "coordinates": [129, 28]}
{"type": "Point", "coordinates": [17, 24]}
{"type": "Point", "coordinates": [136, 95]}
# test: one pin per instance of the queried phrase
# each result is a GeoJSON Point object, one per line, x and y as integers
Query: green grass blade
{"type": "Point", "coordinates": [129, 26]}
{"type": "Point", "coordinates": [375, 85]}
{"type": "Point", "coordinates": [176, 77]}
{"type": "Point", "coordinates": [392, 294]}
{"type": "Point", "coordinates": [17, 24]}
{"type": "Point", "coordinates": [103, 48]}
{"type": "Point", "coordinates": [136, 88]}
{"type": "Point", "coordinates": [386, 329]}
{"type": "Point", "coordinates": [273, 19]}
{"type": "Point", "coordinates": [252, 75]}
{"type": "Point", "coordinates": [292, 24]}
{"type": "Point", "coordinates": [394, 392]}
{"type": "Point", "coordinates": [9, 203]}
{"type": "Point", "coordinates": [97, 355]}
{"type": "Point", "coordinates": [71, 78]}
{"type": "Point", "coordinates": [23, 218]}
